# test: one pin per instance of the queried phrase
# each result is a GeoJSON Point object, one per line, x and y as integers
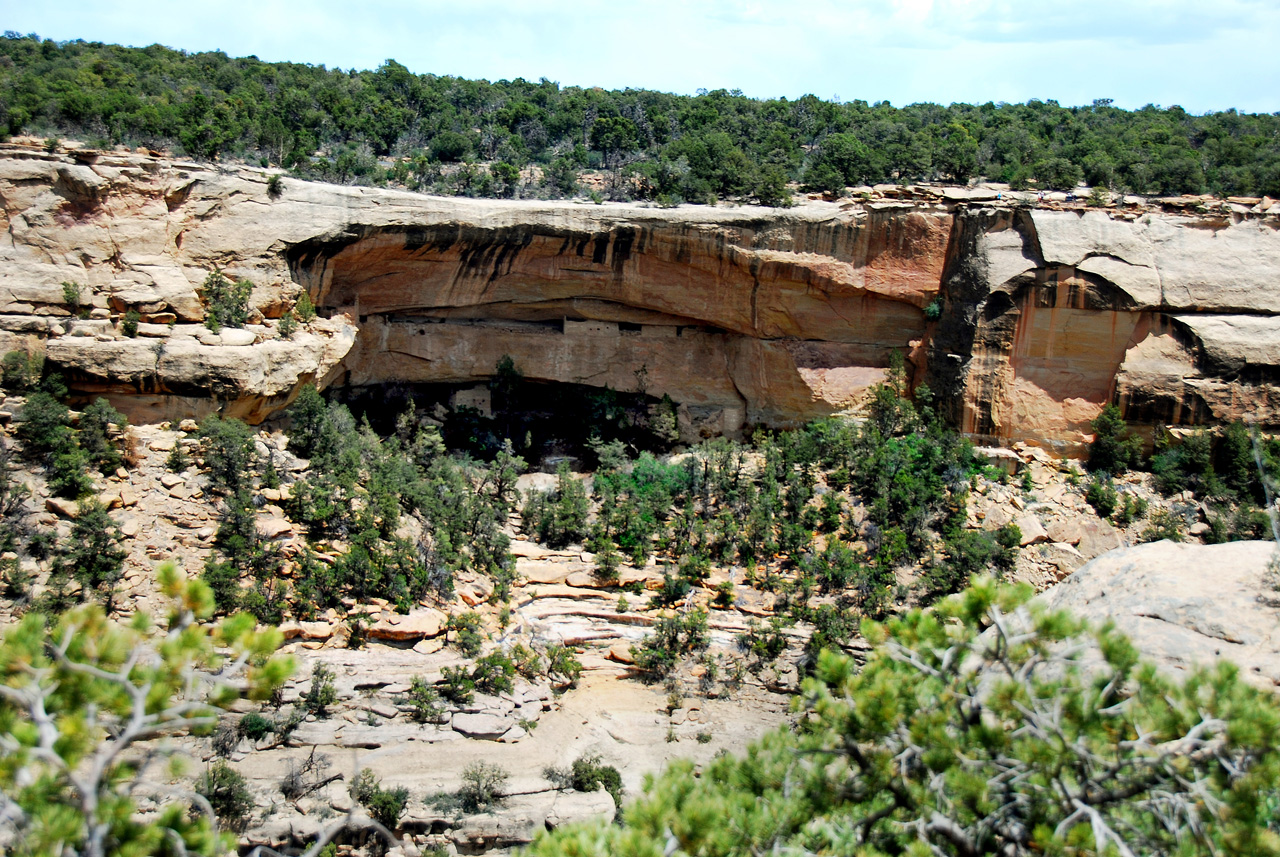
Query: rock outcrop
{"type": "Point", "coordinates": [1052, 314]}
{"type": "Point", "coordinates": [1186, 604]}
{"type": "Point", "coordinates": [741, 315]}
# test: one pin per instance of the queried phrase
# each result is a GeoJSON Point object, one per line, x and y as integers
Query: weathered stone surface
{"type": "Point", "coordinates": [1033, 531]}
{"type": "Point", "coordinates": [419, 624]}
{"type": "Point", "coordinates": [571, 807]}
{"type": "Point", "coordinates": [1061, 312]}
{"type": "Point", "coordinates": [482, 725]}
{"type": "Point", "coordinates": [65, 508]}
{"type": "Point", "coordinates": [1185, 604]}
{"type": "Point", "coordinates": [272, 526]}
{"type": "Point", "coordinates": [742, 315]}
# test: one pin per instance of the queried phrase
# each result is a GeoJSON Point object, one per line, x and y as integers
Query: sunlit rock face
{"type": "Point", "coordinates": [1052, 314]}
{"type": "Point", "coordinates": [743, 316]}
{"type": "Point", "coordinates": [757, 317]}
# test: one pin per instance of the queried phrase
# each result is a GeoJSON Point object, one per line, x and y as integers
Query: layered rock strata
{"type": "Point", "coordinates": [742, 315]}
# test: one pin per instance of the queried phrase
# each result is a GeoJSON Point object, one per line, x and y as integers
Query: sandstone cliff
{"type": "Point", "coordinates": [741, 315]}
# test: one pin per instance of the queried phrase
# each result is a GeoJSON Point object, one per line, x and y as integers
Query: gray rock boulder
{"type": "Point", "coordinates": [1185, 604]}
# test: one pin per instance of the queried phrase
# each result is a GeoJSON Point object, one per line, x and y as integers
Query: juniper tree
{"type": "Point", "coordinates": [84, 707]}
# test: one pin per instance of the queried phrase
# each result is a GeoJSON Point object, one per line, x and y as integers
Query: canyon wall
{"type": "Point", "coordinates": [742, 315]}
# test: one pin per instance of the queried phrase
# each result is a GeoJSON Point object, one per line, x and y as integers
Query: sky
{"type": "Point", "coordinates": [1201, 54]}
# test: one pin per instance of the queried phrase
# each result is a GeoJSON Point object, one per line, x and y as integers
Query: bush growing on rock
{"type": "Point", "coordinates": [675, 637]}
{"type": "Point", "coordinates": [229, 452]}
{"type": "Point", "coordinates": [562, 666]}
{"type": "Point", "coordinates": [1164, 524]}
{"type": "Point", "coordinates": [587, 774]}
{"type": "Point", "coordinates": [304, 309]}
{"type": "Point", "coordinates": [385, 805]}
{"type": "Point", "coordinates": [72, 294]}
{"type": "Point", "coordinates": [45, 428]}
{"type": "Point", "coordinates": [1130, 509]}
{"type": "Point", "coordinates": [458, 687]}
{"type": "Point", "coordinates": [177, 460]}
{"type": "Point", "coordinates": [1187, 466]}
{"type": "Point", "coordinates": [96, 421]}
{"type": "Point", "coordinates": [68, 473]}
{"type": "Point", "coordinates": [20, 371]}
{"type": "Point", "coordinates": [255, 727]}
{"type": "Point", "coordinates": [227, 793]}
{"type": "Point", "coordinates": [92, 554]}
{"type": "Point", "coordinates": [559, 517]}
{"type": "Point", "coordinates": [288, 325]}
{"type": "Point", "coordinates": [226, 303]}
{"type": "Point", "coordinates": [322, 692]}
{"type": "Point", "coordinates": [494, 673]}
{"type": "Point", "coordinates": [423, 701]}
{"type": "Point", "coordinates": [1113, 449]}
{"type": "Point", "coordinates": [1101, 495]}
{"type": "Point", "coordinates": [483, 786]}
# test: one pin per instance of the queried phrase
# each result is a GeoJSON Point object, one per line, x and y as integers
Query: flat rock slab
{"type": "Point", "coordinates": [488, 727]}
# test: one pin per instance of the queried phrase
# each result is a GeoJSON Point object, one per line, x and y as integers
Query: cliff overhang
{"type": "Point", "coordinates": [1024, 320]}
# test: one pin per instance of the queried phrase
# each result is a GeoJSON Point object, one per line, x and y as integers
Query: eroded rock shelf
{"type": "Point", "coordinates": [1024, 320]}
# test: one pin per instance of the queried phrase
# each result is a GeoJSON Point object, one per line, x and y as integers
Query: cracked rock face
{"type": "Point", "coordinates": [1052, 314]}
{"type": "Point", "coordinates": [742, 315]}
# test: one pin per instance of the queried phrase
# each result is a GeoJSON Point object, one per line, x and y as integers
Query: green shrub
{"type": "Point", "coordinates": [563, 665]}
{"type": "Point", "coordinates": [763, 644]}
{"type": "Point", "coordinates": [674, 638]}
{"type": "Point", "coordinates": [288, 326]}
{"type": "Point", "coordinates": [322, 692]}
{"type": "Point", "coordinates": [494, 673]}
{"type": "Point", "coordinates": [558, 518]}
{"type": "Point", "coordinates": [304, 309]}
{"type": "Point", "coordinates": [68, 474]}
{"type": "Point", "coordinates": [20, 371]}
{"type": "Point", "coordinates": [255, 727]}
{"type": "Point", "coordinates": [483, 786]}
{"type": "Point", "coordinates": [1132, 508]}
{"type": "Point", "coordinates": [226, 303]}
{"type": "Point", "coordinates": [45, 428]}
{"type": "Point", "coordinates": [177, 461]}
{"type": "Point", "coordinates": [229, 453]}
{"type": "Point", "coordinates": [92, 554]}
{"type": "Point", "coordinates": [423, 701]}
{"type": "Point", "coordinates": [71, 296]}
{"type": "Point", "coordinates": [228, 793]}
{"type": "Point", "coordinates": [1163, 524]}
{"type": "Point", "coordinates": [1101, 495]}
{"type": "Point", "coordinates": [465, 628]}
{"type": "Point", "coordinates": [1113, 450]}
{"type": "Point", "coordinates": [458, 687]}
{"type": "Point", "coordinates": [588, 774]}
{"type": "Point", "coordinates": [385, 805]}
{"type": "Point", "coordinates": [969, 553]}
{"type": "Point", "coordinates": [129, 327]}
{"type": "Point", "coordinates": [95, 423]}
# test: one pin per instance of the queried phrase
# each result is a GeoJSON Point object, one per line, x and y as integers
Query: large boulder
{"type": "Point", "coordinates": [1185, 604]}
